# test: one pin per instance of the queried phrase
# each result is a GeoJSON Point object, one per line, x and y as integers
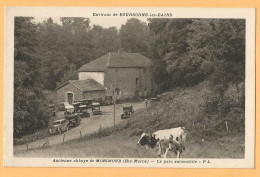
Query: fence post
{"type": "Point", "coordinates": [226, 125]}
{"type": "Point", "coordinates": [80, 135]}
{"type": "Point", "coordinates": [63, 138]}
{"type": "Point", "coordinates": [46, 143]}
{"type": "Point", "coordinates": [27, 147]}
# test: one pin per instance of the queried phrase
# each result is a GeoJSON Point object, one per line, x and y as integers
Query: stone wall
{"type": "Point", "coordinates": [94, 94]}
{"type": "Point", "coordinates": [130, 81]}
{"type": "Point", "coordinates": [78, 95]}
{"type": "Point", "coordinates": [61, 93]}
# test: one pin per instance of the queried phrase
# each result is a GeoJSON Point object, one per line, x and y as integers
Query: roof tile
{"type": "Point", "coordinates": [120, 60]}
{"type": "Point", "coordinates": [85, 85]}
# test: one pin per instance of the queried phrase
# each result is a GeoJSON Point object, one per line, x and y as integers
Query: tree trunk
{"type": "Point", "coordinates": [237, 92]}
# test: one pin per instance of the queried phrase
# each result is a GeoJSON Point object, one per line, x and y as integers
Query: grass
{"type": "Point", "coordinates": [30, 138]}
{"type": "Point", "coordinates": [180, 107]}
{"type": "Point", "coordinates": [118, 146]}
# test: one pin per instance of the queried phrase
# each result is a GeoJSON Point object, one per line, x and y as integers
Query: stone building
{"type": "Point", "coordinates": [76, 90]}
{"type": "Point", "coordinates": [127, 74]}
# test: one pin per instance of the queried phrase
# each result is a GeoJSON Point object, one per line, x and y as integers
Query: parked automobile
{"type": "Point", "coordinates": [51, 109]}
{"type": "Point", "coordinates": [87, 102]}
{"type": "Point", "coordinates": [72, 116]}
{"type": "Point", "coordinates": [62, 106]}
{"type": "Point", "coordinates": [127, 111]}
{"type": "Point", "coordinates": [108, 100]}
{"type": "Point", "coordinates": [96, 109]}
{"type": "Point", "coordinates": [76, 105]}
{"type": "Point", "coordinates": [59, 126]}
{"type": "Point", "coordinates": [69, 110]}
{"type": "Point", "coordinates": [83, 111]}
{"type": "Point", "coordinates": [98, 100]}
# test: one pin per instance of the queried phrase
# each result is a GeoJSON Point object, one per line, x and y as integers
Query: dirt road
{"type": "Point", "coordinates": [87, 126]}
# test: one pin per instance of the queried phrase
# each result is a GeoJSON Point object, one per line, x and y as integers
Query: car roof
{"type": "Point", "coordinates": [127, 106]}
{"type": "Point", "coordinates": [82, 106]}
{"type": "Point", "coordinates": [69, 107]}
{"type": "Point", "coordinates": [96, 104]}
{"type": "Point", "coordinates": [59, 120]}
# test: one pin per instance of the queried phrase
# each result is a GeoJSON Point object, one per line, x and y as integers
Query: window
{"type": "Point", "coordinates": [117, 91]}
{"type": "Point", "coordinates": [136, 81]}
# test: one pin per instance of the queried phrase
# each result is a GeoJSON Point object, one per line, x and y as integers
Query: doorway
{"type": "Point", "coordinates": [70, 98]}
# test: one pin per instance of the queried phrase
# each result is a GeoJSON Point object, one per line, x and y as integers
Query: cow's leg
{"type": "Point", "coordinates": [178, 154]}
{"type": "Point", "coordinates": [159, 150]}
{"type": "Point", "coordinates": [167, 149]}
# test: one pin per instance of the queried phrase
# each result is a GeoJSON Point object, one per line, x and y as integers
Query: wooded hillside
{"type": "Point", "coordinates": [186, 52]}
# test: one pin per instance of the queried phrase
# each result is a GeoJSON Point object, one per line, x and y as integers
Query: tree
{"type": "Point", "coordinates": [134, 36]}
{"type": "Point", "coordinates": [199, 49]}
{"type": "Point", "coordinates": [29, 103]}
{"type": "Point", "coordinates": [104, 40]}
{"type": "Point", "coordinates": [220, 46]}
{"type": "Point", "coordinates": [169, 48]}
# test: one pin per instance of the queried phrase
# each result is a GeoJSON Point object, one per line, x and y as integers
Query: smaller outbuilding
{"type": "Point", "coordinates": [76, 90]}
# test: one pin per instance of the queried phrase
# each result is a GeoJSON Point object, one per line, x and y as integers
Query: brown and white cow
{"type": "Point", "coordinates": [175, 135]}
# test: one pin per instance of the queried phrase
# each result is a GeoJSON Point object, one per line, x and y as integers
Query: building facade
{"type": "Point", "coordinates": [128, 75]}
{"type": "Point", "coordinates": [76, 90]}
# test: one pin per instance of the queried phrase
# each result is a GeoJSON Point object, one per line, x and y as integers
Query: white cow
{"type": "Point", "coordinates": [175, 135]}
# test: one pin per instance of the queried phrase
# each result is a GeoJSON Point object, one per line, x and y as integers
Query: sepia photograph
{"type": "Point", "coordinates": [130, 88]}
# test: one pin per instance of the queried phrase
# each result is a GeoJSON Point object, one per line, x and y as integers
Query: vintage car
{"type": "Point", "coordinates": [127, 111]}
{"type": "Point", "coordinates": [108, 100]}
{"type": "Point", "coordinates": [98, 100]}
{"type": "Point", "coordinates": [87, 102]}
{"type": "Point", "coordinates": [59, 126]}
{"type": "Point", "coordinates": [83, 111]}
{"type": "Point", "coordinates": [72, 116]}
{"type": "Point", "coordinates": [76, 105]}
{"type": "Point", "coordinates": [69, 110]}
{"type": "Point", "coordinates": [96, 109]}
{"type": "Point", "coordinates": [62, 106]}
{"type": "Point", "coordinates": [51, 110]}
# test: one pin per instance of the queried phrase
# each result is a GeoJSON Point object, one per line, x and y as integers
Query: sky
{"type": "Point", "coordinates": [105, 22]}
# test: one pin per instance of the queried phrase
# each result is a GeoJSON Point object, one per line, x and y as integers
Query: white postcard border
{"type": "Point", "coordinates": [238, 13]}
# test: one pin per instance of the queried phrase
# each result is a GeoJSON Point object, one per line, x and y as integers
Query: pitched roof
{"type": "Point", "coordinates": [84, 85]}
{"type": "Point", "coordinates": [116, 60]}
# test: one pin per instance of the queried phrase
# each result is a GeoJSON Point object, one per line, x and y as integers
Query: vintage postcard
{"type": "Point", "coordinates": [129, 87]}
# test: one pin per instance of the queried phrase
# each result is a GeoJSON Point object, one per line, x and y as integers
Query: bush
{"type": "Point", "coordinates": [198, 109]}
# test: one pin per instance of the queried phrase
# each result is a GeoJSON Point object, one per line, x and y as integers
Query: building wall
{"type": "Point", "coordinates": [129, 81]}
{"type": "Point", "coordinates": [61, 93]}
{"type": "Point", "coordinates": [97, 76]}
{"type": "Point", "coordinates": [94, 94]}
{"type": "Point", "coordinates": [78, 95]}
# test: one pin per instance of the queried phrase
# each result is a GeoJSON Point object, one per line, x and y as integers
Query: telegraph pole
{"type": "Point", "coordinates": [114, 112]}
{"type": "Point", "coordinates": [114, 98]}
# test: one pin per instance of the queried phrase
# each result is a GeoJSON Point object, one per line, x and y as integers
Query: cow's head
{"type": "Point", "coordinates": [147, 139]}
